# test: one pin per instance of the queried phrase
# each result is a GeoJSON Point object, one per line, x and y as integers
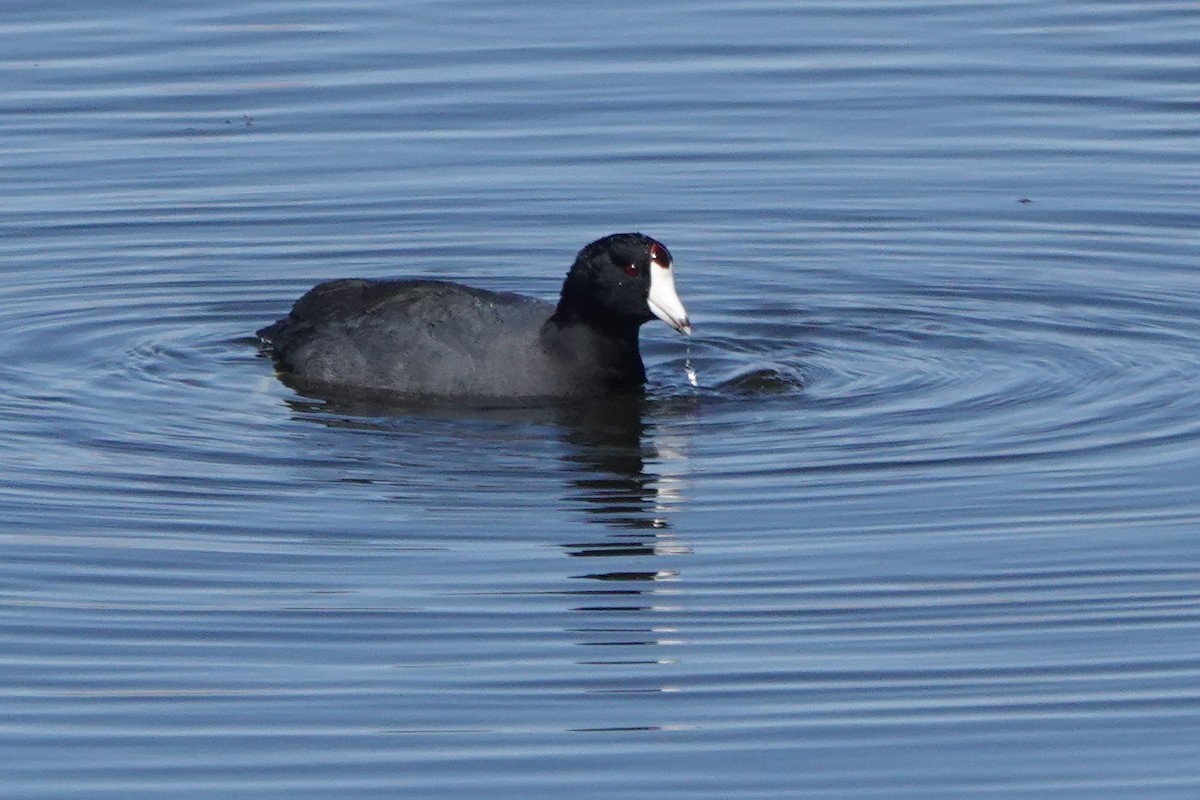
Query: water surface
{"type": "Point", "coordinates": [927, 528]}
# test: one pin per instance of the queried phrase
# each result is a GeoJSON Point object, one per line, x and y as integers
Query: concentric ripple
{"type": "Point", "coordinates": [986, 364]}
{"type": "Point", "coordinates": [926, 528]}
{"type": "Point", "coordinates": [861, 371]}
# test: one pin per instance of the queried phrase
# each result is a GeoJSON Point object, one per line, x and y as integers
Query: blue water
{"type": "Point", "coordinates": [929, 526]}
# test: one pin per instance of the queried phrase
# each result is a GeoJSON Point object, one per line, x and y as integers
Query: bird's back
{"type": "Point", "coordinates": [417, 336]}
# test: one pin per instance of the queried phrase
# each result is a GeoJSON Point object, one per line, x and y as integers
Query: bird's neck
{"type": "Point", "coordinates": [610, 352]}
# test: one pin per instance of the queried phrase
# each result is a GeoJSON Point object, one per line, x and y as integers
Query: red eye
{"type": "Point", "coordinates": [631, 270]}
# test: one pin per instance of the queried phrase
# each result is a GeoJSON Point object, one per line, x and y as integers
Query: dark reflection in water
{"type": "Point", "coordinates": [621, 461]}
{"type": "Point", "coordinates": [625, 613]}
{"type": "Point", "coordinates": [608, 449]}
{"type": "Point", "coordinates": [615, 459]}
{"type": "Point", "coordinates": [616, 464]}
{"type": "Point", "coordinates": [939, 476]}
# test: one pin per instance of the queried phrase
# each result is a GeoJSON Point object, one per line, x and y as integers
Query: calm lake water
{"type": "Point", "coordinates": [929, 527]}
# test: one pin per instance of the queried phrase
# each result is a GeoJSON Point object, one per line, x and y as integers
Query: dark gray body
{"type": "Point", "coordinates": [438, 338]}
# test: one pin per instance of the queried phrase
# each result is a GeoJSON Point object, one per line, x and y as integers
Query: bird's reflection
{"type": "Point", "coordinates": [624, 459]}
{"type": "Point", "coordinates": [627, 468]}
{"type": "Point", "coordinates": [624, 470]}
{"type": "Point", "coordinates": [624, 464]}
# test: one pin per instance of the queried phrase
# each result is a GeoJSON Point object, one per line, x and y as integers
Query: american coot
{"type": "Point", "coordinates": [431, 337]}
